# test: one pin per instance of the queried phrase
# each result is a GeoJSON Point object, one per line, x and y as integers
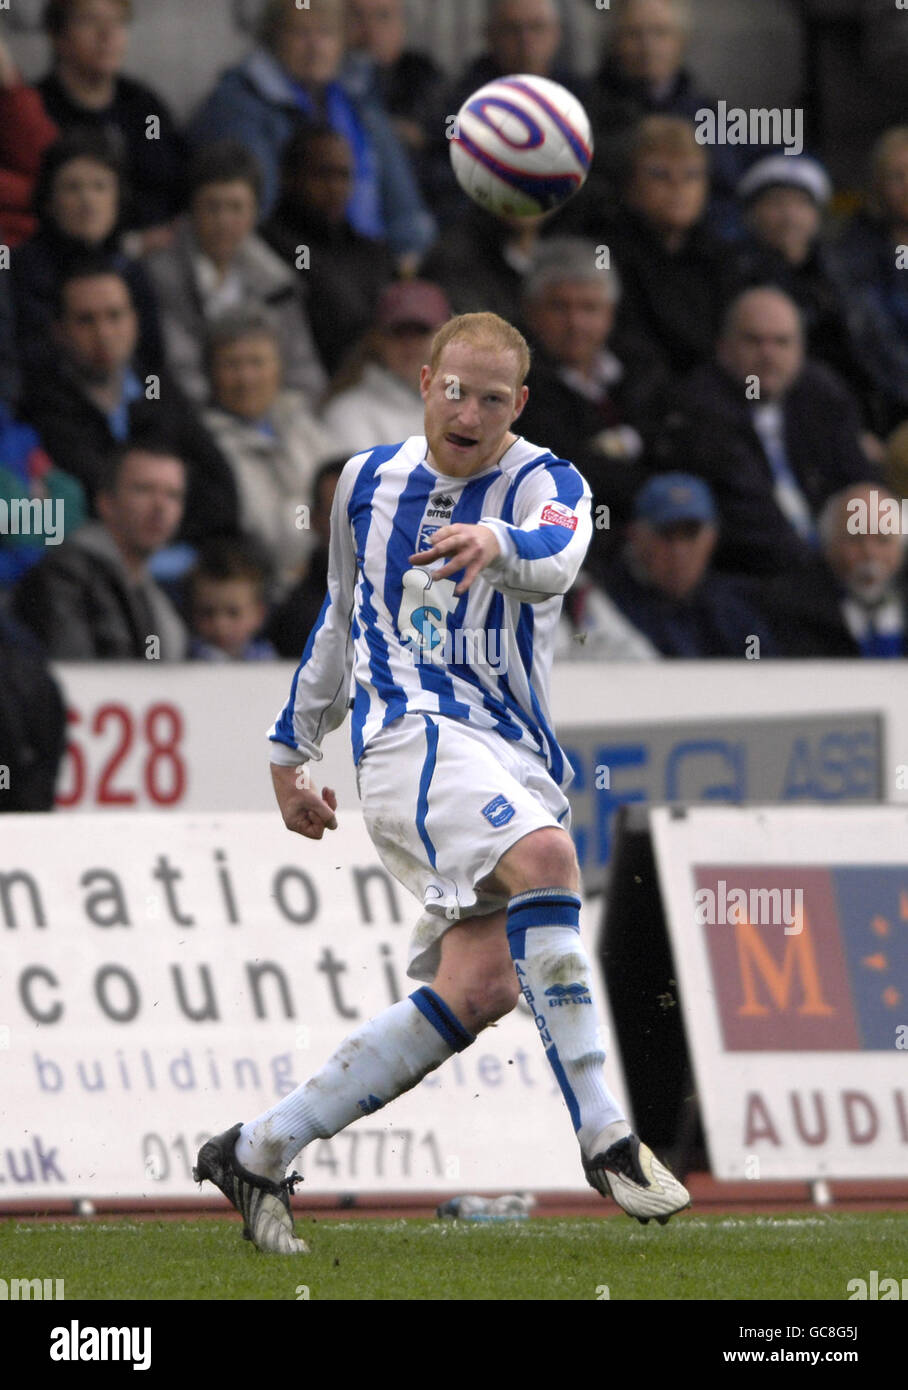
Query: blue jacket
{"type": "Point", "coordinates": [256, 103]}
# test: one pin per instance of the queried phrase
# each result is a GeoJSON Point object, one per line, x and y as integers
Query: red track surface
{"type": "Point", "coordinates": [709, 1197]}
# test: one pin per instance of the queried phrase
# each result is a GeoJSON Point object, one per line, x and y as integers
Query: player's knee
{"type": "Point", "coordinates": [543, 859]}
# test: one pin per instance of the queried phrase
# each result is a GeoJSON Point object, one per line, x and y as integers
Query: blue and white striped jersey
{"type": "Point", "coordinates": [394, 640]}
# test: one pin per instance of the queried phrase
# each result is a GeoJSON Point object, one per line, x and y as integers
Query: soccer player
{"type": "Point", "coordinates": [449, 556]}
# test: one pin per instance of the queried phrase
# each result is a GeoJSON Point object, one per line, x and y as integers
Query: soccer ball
{"type": "Point", "coordinates": [521, 146]}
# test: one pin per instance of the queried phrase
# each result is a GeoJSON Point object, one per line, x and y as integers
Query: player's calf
{"type": "Point", "coordinates": [557, 982]}
{"type": "Point", "coordinates": [476, 975]}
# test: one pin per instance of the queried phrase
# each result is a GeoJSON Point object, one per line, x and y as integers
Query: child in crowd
{"type": "Point", "coordinates": [227, 607]}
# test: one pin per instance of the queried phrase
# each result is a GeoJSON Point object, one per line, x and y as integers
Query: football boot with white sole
{"type": "Point", "coordinates": [263, 1203]}
{"type": "Point", "coordinates": [631, 1173]}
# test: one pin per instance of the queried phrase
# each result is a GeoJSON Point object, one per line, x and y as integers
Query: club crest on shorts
{"type": "Point", "coordinates": [498, 811]}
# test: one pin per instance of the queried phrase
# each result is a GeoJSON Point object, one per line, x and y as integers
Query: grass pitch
{"type": "Point", "coordinates": [694, 1257]}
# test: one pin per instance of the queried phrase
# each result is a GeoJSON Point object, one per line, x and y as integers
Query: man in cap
{"type": "Point", "coordinates": [784, 198]}
{"type": "Point", "coordinates": [662, 580]}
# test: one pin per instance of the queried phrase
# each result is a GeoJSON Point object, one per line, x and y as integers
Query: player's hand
{"type": "Point", "coordinates": [463, 547]}
{"type": "Point", "coordinates": [303, 810]}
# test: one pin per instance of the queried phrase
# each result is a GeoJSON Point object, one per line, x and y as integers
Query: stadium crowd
{"type": "Point", "coordinates": [196, 329]}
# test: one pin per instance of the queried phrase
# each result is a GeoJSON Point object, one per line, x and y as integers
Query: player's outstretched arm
{"type": "Point", "coordinates": [462, 547]}
{"type": "Point", "coordinates": [303, 810]}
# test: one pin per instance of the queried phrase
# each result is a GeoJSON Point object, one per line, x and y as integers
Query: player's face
{"type": "Point", "coordinates": [227, 613]}
{"type": "Point", "coordinates": [99, 328]}
{"type": "Point", "coordinates": [94, 41]}
{"type": "Point", "coordinates": [471, 400]}
{"type": "Point", "coordinates": [572, 321]}
{"type": "Point", "coordinates": [223, 216]}
{"type": "Point", "coordinates": [85, 200]}
{"type": "Point", "coordinates": [146, 507]}
{"type": "Point", "coordinates": [246, 377]}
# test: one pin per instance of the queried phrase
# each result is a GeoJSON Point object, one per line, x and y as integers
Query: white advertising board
{"type": "Point", "coordinates": [166, 976]}
{"type": "Point", "coordinates": [192, 737]}
{"type": "Point", "coordinates": [789, 933]}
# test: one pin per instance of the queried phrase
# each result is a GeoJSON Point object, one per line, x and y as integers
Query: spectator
{"type": "Point", "coordinates": [375, 398]}
{"type": "Point", "coordinates": [481, 262]}
{"type": "Point", "coordinates": [524, 36]}
{"type": "Point", "coordinates": [869, 263]}
{"type": "Point", "coordinates": [293, 78]}
{"type": "Point", "coordinates": [267, 434]}
{"type": "Point", "coordinates": [585, 403]}
{"type": "Point", "coordinates": [28, 481]}
{"type": "Point", "coordinates": [773, 433]}
{"type": "Point", "coordinates": [227, 603]}
{"type": "Point", "coordinates": [292, 621]}
{"type": "Point", "coordinates": [94, 599]}
{"type": "Point", "coordinates": [217, 263]}
{"type": "Point", "coordinates": [343, 272]}
{"type": "Point", "coordinates": [407, 82]}
{"type": "Point", "coordinates": [593, 628]}
{"type": "Point", "coordinates": [26, 130]}
{"type": "Point", "coordinates": [77, 200]}
{"type": "Point", "coordinates": [642, 75]}
{"type": "Point", "coordinates": [675, 275]}
{"type": "Point", "coordinates": [98, 393]}
{"type": "Point", "coordinates": [32, 722]}
{"type": "Point", "coordinates": [663, 584]}
{"type": "Point", "coordinates": [86, 88]}
{"type": "Point", "coordinates": [784, 199]}
{"type": "Point", "coordinates": [855, 602]}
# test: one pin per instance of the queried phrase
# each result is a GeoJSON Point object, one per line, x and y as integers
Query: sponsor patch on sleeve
{"type": "Point", "coordinates": [557, 514]}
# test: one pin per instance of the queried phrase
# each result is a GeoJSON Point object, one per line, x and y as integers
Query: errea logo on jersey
{"type": "Point", "coordinates": [558, 514]}
{"type": "Point", "coordinates": [440, 505]}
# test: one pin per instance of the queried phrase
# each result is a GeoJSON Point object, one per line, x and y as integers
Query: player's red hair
{"type": "Point", "coordinates": [483, 331]}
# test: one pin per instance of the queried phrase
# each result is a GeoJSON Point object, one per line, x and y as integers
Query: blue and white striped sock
{"type": "Point", "coordinates": [557, 983]}
{"type": "Point", "coordinates": [387, 1056]}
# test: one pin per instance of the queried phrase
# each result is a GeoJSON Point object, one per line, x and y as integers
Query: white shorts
{"type": "Point", "coordinates": [442, 802]}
